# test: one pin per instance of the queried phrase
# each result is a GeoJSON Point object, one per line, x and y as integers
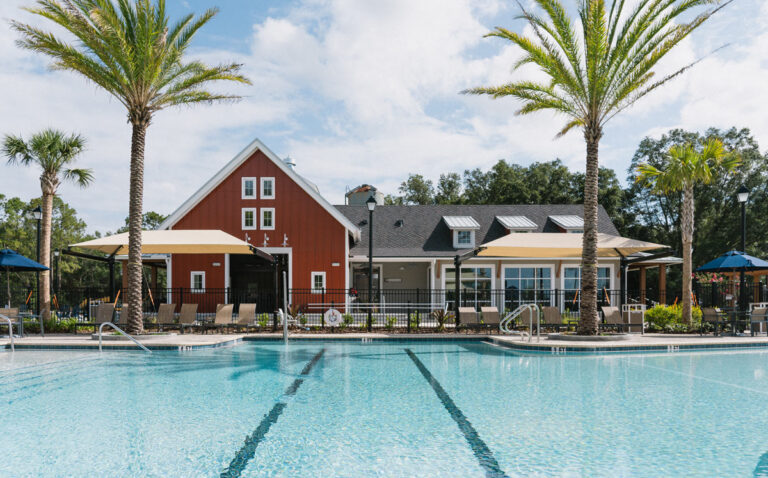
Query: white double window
{"type": "Point", "coordinates": [526, 284]}
{"type": "Point", "coordinates": [248, 218]}
{"type": "Point", "coordinates": [248, 188]}
{"type": "Point", "coordinates": [268, 218]}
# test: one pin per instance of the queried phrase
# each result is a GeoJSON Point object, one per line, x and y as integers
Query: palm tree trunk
{"type": "Point", "coordinates": [588, 310]}
{"type": "Point", "coordinates": [45, 255]}
{"type": "Point", "coordinates": [134, 309]}
{"type": "Point", "coordinates": [686, 221]}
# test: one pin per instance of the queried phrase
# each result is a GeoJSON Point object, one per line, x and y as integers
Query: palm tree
{"type": "Point", "coordinates": [54, 152]}
{"type": "Point", "coordinates": [687, 166]}
{"type": "Point", "coordinates": [592, 77]}
{"type": "Point", "coordinates": [127, 48]}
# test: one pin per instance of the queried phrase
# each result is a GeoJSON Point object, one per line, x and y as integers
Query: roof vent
{"type": "Point", "coordinates": [399, 223]}
{"type": "Point", "coordinates": [290, 162]}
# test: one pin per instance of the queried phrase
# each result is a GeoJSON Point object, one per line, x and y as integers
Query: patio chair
{"type": "Point", "coordinates": [525, 319]}
{"type": "Point", "coordinates": [13, 314]}
{"type": "Point", "coordinates": [758, 316]}
{"type": "Point", "coordinates": [612, 318]}
{"type": "Point", "coordinates": [712, 316]}
{"type": "Point", "coordinates": [104, 313]}
{"type": "Point", "coordinates": [246, 316]}
{"type": "Point", "coordinates": [166, 316]}
{"type": "Point", "coordinates": [551, 317]}
{"type": "Point", "coordinates": [223, 318]}
{"type": "Point", "coordinates": [188, 317]}
{"type": "Point", "coordinates": [490, 317]}
{"type": "Point", "coordinates": [468, 317]}
{"type": "Point", "coordinates": [634, 320]}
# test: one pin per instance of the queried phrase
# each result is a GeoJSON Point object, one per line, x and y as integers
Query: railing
{"type": "Point", "coordinates": [510, 318]}
{"type": "Point", "coordinates": [10, 330]}
{"type": "Point", "coordinates": [101, 328]}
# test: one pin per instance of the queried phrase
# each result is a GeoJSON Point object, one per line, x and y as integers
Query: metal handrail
{"type": "Point", "coordinates": [101, 328]}
{"type": "Point", "coordinates": [10, 330]}
{"type": "Point", "coordinates": [504, 323]}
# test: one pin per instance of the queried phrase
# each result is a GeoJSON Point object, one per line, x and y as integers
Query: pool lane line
{"type": "Point", "coordinates": [483, 454]}
{"type": "Point", "coordinates": [248, 450]}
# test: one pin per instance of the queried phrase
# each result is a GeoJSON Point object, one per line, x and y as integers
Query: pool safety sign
{"type": "Point", "coordinates": [332, 317]}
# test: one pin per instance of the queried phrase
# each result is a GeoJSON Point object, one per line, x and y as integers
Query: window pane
{"type": "Point", "coordinates": [484, 272]}
{"type": "Point", "coordinates": [572, 272]}
{"type": "Point", "coordinates": [512, 272]}
{"type": "Point", "coordinates": [249, 188]}
{"type": "Point", "coordinates": [267, 188]}
{"type": "Point", "coordinates": [248, 218]}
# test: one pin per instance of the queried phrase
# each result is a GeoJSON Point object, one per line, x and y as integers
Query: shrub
{"type": "Point", "coordinates": [414, 320]}
{"type": "Point", "coordinates": [442, 317]}
{"type": "Point", "coordinates": [390, 322]}
{"type": "Point", "coordinates": [669, 319]}
{"type": "Point", "coordinates": [263, 320]}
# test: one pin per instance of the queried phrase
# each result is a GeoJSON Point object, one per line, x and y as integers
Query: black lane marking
{"type": "Point", "coordinates": [479, 448]}
{"type": "Point", "coordinates": [248, 450]}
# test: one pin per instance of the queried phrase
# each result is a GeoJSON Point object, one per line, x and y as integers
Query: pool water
{"type": "Point", "coordinates": [382, 409]}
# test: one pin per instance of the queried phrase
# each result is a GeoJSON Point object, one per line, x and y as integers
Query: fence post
{"type": "Point", "coordinates": [88, 302]}
{"type": "Point", "coordinates": [322, 315]}
{"type": "Point", "coordinates": [408, 317]}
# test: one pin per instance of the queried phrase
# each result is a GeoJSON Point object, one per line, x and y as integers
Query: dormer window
{"type": "Point", "coordinates": [463, 230]}
{"type": "Point", "coordinates": [572, 224]}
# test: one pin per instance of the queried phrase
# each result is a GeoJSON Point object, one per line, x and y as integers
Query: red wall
{"type": "Point", "coordinates": [317, 239]}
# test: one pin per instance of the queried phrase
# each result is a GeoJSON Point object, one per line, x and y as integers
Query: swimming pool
{"type": "Point", "coordinates": [382, 409]}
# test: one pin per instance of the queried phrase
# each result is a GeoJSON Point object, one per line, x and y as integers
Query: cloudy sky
{"type": "Point", "coordinates": [361, 91]}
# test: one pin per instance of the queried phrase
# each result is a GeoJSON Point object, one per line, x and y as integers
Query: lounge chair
{"type": "Point", "coordinates": [246, 316]}
{"type": "Point", "coordinates": [104, 313]}
{"type": "Point", "coordinates": [551, 317]}
{"type": "Point", "coordinates": [13, 314]}
{"type": "Point", "coordinates": [758, 316]}
{"type": "Point", "coordinates": [525, 319]}
{"type": "Point", "coordinates": [468, 317]}
{"type": "Point", "coordinates": [166, 316]}
{"type": "Point", "coordinates": [490, 317]}
{"type": "Point", "coordinates": [712, 316]}
{"type": "Point", "coordinates": [188, 317]}
{"type": "Point", "coordinates": [223, 318]}
{"type": "Point", "coordinates": [634, 320]}
{"type": "Point", "coordinates": [612, 318]}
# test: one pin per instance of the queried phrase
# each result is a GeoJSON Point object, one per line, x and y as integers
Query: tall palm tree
{"type": "Point", "coordinates": [686, 166]}
{"type": "Point", "coordinates": [53, 152]}
{"type": "Point", "coordinates": [592, 76]}
{"type": "Point", "coordinates": [127, 48]}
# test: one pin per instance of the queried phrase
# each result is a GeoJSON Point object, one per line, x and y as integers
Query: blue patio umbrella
{"type": "Point", "coordinates": [734, 261]}
{"type": "Point", "coordinates": [11, 260]}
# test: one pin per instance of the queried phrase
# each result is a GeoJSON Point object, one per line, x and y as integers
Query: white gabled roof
{"type": "Point", "coordinates": [461, 222]}
{"type": "Point", "coordinates": [230, 167]}
{"type": "Point", "coordinates": [516, 222]}
{"type": "Point", "coordinates": [568, 222]}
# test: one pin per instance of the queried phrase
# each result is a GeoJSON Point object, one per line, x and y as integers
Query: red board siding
{"type": "Point", "coordinates": [316, 238]}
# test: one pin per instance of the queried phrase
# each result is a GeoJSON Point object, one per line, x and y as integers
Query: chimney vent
{"type": "Point", "coordinates": [290, 162]}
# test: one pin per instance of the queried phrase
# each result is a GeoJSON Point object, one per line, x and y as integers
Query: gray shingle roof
{"type": "Point", "coordinates": [423, 232]}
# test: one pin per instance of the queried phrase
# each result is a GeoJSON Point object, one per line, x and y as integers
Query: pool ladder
{"type": "Point", "coordinates": [10, 330]}
{"type": "Point", "coordinates": [509, 320]}
{"type": "Point", "coordinates": [101, 329]}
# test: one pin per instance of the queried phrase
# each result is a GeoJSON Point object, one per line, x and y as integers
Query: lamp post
{"type": "Point", "coordinates": [743, 195]}
{"type": "Point", "coordinates": [37, 215]}
{"type": "Point", "coordinates": [371, 203]}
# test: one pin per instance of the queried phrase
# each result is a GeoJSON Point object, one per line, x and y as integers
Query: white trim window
{"type": "Point", "coordinates": [318, 282]}
{"type": "Point", "coordinates": [267, 219]}
{"type": "Point", "coordinates": [248, 188]}
{"type": "Point", "coordinates": [463, 238]}
{"type": "Point", "coordinates": [476, 284]}
{"type": "Point", "coordinates": [267, 188]}
{"type": "Point", "coordinates": [197, 282]}
{"type": "Point", "coordinates": [572, 284]}
{"type": "Point", "coordinates": [528, 284]}
{"type": "Point", "coordinates": [248, 217]}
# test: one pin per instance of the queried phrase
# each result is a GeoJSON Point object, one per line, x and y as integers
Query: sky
{"type": "Point", "coordinates": [362, 91]}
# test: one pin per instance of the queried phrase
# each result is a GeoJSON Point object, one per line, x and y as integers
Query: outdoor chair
{"type": "Point", "coordinates": [490, 317]}
{"type": "Point", "coordinates": [13, 314]}
{"type": "Point", "coordinates": [104, 313]}
{"type": "Point", "coordinates": [223, 319]}
{"type": "Point", "coordinates": [634, 320]}
{"type": "Point", "coordinates": [188, 317]}
{"type": "Point", "coordinates": [712, 316]}
{"type": "Point", "coordinates": [526, 319]}
{"type": "Point", "coordinates": [468, 317]}
{"type": "Point", "coordinates": [551, 317]}
{"type": "Point", "coordinates": [612, 318]}
{"type": "Point", "coordinates": [246, 316]}
{"type": "Point", "coordinates": [166, 316]}
{"type": "Point", "coordinates": [758, 316]}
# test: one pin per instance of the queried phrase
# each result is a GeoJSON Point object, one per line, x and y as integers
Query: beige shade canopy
{"type": "Point", "coordinates": [173, 242]}
{"type": "Point", "coordinates": [550, 244]}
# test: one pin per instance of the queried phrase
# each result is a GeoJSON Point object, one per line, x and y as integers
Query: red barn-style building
{"type": "Point", "coordinates": [261, 199]}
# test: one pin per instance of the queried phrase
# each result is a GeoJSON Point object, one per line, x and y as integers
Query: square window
{"type": "Point", "coordinates": [197, 281]}
{"type": "Point", "coordinates": [249, 188]}
{"type": "Point", "coordinates": [318, 282]}
{"type": "Point", "coordinates": [267, 188]}
{"type": "Point", "coordinates": [268, 218]}
{"type": "Point", "coordinates": [249, 218]}
{"type": "Point", "coordinates": [464, 238]}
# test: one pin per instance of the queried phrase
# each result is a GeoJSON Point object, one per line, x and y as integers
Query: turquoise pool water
{"type": "Point", "coordinates": [382, 409]}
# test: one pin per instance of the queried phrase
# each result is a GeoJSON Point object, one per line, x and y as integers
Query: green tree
{"type": "Point", "coordinates": [54, 153]}
{"type": "Point", "coordinates": [150, 220]}
{"type": "Point", "coordinates": [688, 165]}
{"type": "Point", "coordinates": [448, 189]}
{"type": "Point", "coordinates": [417, 190]}
{"type": "Point", "coordinates": [128, 49]}
{"type": "Point", "coordinates": [592, 78]}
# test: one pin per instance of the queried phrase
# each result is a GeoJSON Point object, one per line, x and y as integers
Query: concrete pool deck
{"type": "Point", "coordinates": [636, 342]}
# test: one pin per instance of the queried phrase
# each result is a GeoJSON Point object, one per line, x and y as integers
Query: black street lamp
{"type": "Point", "coordinates": [743, 195]}
{"type": "Point", "coordinates": [37, 215]}
{"type": "Point", "coordinates": [371, 203]}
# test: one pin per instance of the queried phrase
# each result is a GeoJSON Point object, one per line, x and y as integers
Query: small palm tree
{"type": "Point", "coordinates": [53, 152]}
{"type": "Point", "coordinates": [686, 166]}
{"type": "Point", "coordinates": [128, 49]}
{"type": "Point", "coordinates": [592, 79]}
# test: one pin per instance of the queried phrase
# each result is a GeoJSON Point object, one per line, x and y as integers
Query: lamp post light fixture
{"type": "Point", "coordinates": [371, 204]}
{"type": "Point", "coordinates": [743, 195]}
{"type": "Point", "coordinates": [37, 214]}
